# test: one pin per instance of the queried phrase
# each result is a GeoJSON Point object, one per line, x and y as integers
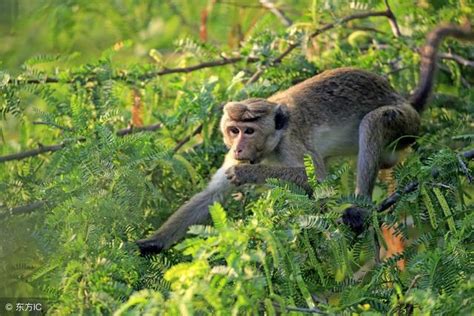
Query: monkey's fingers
{"type": "Point", "coordinates": [150, 246]}
{"type": "Point", "coordinates": [231, 175]}
{"type": "Point", "coordinates": [355, 218]}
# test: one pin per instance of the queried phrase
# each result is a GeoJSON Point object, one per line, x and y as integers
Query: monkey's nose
{"type": "Point", "coordinates": [238, 153]}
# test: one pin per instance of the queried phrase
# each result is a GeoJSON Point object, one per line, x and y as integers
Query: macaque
{"type": "Point", "coordinates": [344, 111]}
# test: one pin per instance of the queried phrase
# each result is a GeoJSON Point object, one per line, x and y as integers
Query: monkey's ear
{"type": "Point", "coordinates": [282, 117]}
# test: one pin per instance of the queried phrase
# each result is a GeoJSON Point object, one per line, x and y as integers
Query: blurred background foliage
{"type": "Point", "coordinates": [76, 73]}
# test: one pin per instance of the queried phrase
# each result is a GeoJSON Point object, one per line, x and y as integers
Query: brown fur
{"type": "Point", "coordinates": [344, 111]}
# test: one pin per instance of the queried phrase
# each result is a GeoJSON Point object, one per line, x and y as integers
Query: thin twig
{"type": "Point", "coordinates": [254, 77]}
{"type": "Point", "coordinates": [377, 259]}
{"type": "Point", "coordinates": [196, 131]}
{"type": "Point", "coordinates": [457, 58]}
{"type": "Point", "coordinates": [413, 283]}
{"type": "Point", "coordinates": [392, 20]}
{"type": "Point", "coordinates": [268, 4]}
{"type": "Point", "coordinates": [187, 138]}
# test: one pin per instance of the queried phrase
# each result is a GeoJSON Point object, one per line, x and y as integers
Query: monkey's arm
{"type": "Point", "coordinates": [193, 212]}
{"type": "Point", "coordinates": [242, 174]}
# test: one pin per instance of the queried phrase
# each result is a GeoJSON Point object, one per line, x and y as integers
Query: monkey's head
{"type": "Point", "coordinates": [253, 128]}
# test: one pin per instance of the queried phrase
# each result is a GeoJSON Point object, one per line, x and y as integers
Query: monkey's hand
{"type": "Point", "coordinates": [242, 174]}
{"type": "Point", "coordinates": [151, 245]}
{"type": "Point", "coordinates": [356, 218]}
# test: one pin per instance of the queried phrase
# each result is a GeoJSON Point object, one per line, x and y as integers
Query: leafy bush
{"type": "Point", "coordinates": [72, 209]}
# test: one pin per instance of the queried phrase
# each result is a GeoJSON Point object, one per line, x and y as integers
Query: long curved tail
{"type": "Point", "coordinates": [428, 53]}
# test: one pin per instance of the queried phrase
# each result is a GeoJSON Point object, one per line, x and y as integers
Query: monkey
{"type": "Point", "coordinates": [344, 111]}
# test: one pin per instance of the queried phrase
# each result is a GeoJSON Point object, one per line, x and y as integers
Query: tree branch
{"type": "Point", "coordinates": [52, 148]}
{"type": "Point", "coordinates": [25, 209]}
{"type": "Point", "coordinates": [395, 196]}
{"type": "Point", "coordinates": [33, 152]}
{"type": "Point", "coordinates": [133, 129]}
{"type": "Point", "coordinates": [209, 64]}
{"type": "Point", "coordinates": [163, 72]}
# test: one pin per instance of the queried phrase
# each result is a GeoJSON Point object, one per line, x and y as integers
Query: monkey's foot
{"type": "Point", "coordinates": [150, 246]}
{"type": "Point", "coordinates": [356, 218]}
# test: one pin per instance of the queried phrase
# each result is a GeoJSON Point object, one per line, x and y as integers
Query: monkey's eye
{"type": "Point", "coordinates": [234, 130]}
{"type": "Point", "coordinates": [249, 131]}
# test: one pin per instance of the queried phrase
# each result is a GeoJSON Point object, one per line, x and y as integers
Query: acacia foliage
{"type": "Point", "coordinates": [273, 251]}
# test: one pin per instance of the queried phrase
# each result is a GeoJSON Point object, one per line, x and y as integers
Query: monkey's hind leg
{"type": "Point", "coordinates": [377, 130]}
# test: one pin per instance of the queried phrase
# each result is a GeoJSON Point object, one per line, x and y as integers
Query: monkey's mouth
{"type": "Point", "coordinates": [248, 161]}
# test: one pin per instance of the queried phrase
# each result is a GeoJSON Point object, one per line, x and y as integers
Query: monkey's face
{"type": "Point", "coordinates": [246, 141]}
{"type": "Point", "coordinates": [253, 128]}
